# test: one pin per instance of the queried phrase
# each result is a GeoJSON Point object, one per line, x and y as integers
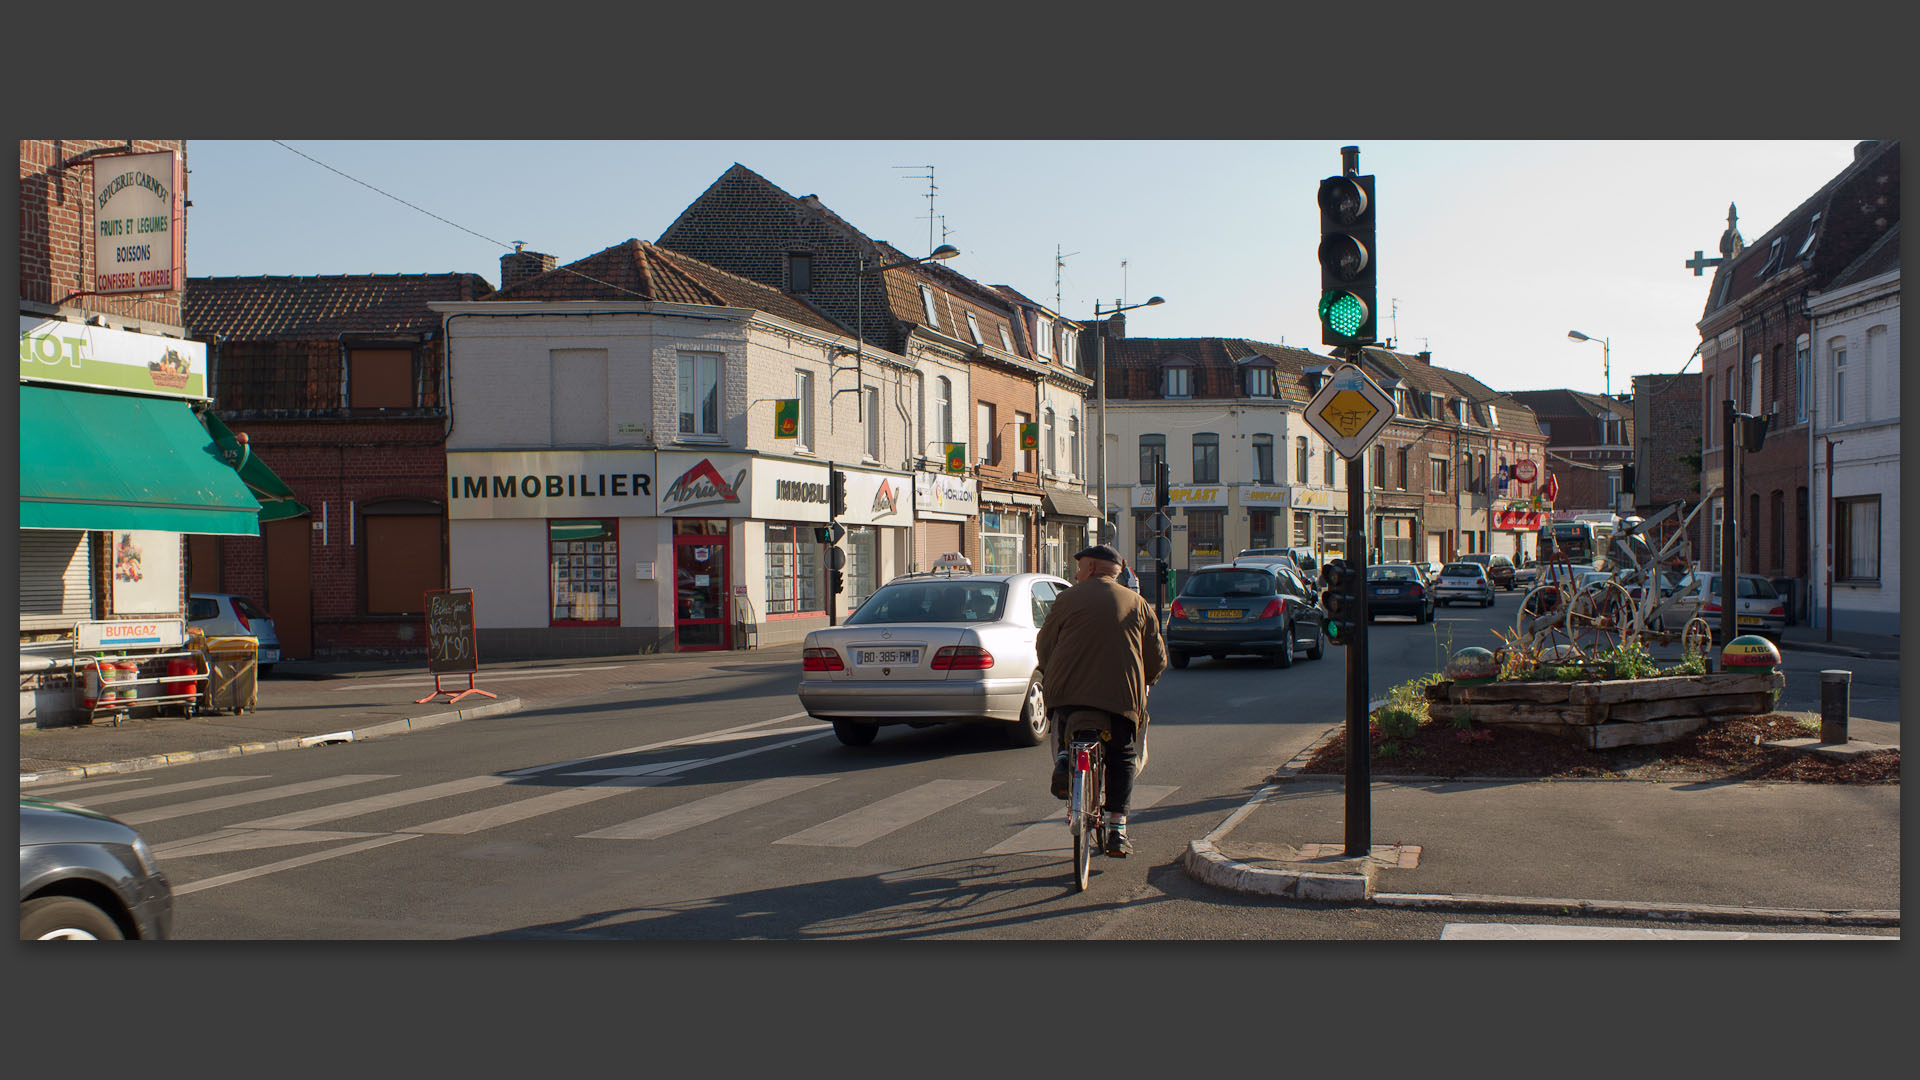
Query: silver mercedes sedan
{"type": "Point", "coordinates": [934, 648]}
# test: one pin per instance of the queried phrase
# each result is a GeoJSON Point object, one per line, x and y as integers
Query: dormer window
{"type": "Point", "coordinates": [926, 301]}
{"type": "Point", "coordinates": [1459, 410]}
{"type": "Point", "coordinates": [1043, 337]}
{"type": "Point", "coordinates": [1260, 382]}
{"type": "Point", "coordinates": [1806, 246]}
{"type": "Point", "coordinates": [973, 327]}
{"type": "Point", "coordinates": [1493, 417]}
{"type": "Point", "coordinates": [1774, 251]}
{"type": "Point", "coordinates": [1006, 342]}
{"type": "Point", "coordinates": [1177, 382]}
{"type": "Point", "coordinates": [1433, 406]}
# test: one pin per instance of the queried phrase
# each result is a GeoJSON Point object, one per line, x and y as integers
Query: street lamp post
{"type": "Point", "coordinates": [1100, 383]}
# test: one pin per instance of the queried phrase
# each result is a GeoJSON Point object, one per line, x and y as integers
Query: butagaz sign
{"type": "Point", "coordinates": [136, 213]}
{"type": "Point", "coordinates": [582, 483]}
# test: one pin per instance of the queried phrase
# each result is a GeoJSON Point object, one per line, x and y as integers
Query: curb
{"type": "Point", "coordinates": [1640, 909]}
{"type": "Point", "coordinates": [380, 730]}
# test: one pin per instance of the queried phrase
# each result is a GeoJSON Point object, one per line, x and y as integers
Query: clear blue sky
{"type": "Point", "coordinates": [1491, 251]}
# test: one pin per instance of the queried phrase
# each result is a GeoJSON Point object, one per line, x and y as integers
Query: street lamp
{"type": "Point", "coordinates": [1606, 371]}
{"type": "Point", "coordinates": [941, 253]}
{"type": "Point", "coordinates": [1100, 382]}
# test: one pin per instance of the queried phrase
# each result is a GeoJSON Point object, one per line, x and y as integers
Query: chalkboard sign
{"type": "Point", "coordinates": [450, 644]}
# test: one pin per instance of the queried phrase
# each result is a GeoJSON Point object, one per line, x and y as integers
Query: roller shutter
{"type": "Point", "coordinates": [56, 588]}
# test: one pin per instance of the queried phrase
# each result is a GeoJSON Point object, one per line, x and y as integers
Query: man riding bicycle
{"type": "Point", "coordinates": [1099, 650]}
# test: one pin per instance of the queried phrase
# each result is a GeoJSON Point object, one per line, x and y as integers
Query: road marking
{"type": "Point", "coordinates": [1050, 837]}
{"type": "Point", "coordinates": [486, 673]}
{"type": "Point", "coordinates": [889, 814]}
{"type": "Point", "coordinates": [165, 789]}
{"type": "Point", "coordinates": [222, 802]}
{"type": "Point", "coordinates": [552, 802]}
{"type": "Point", "coordinates": [736, 736]}
{"type": "Point", "coordinates": [302, 818]}
{"type": "Point", "coordinates": [711, 808]}
{"type": "Point", "coordinates": [229, 840]}
{"type": "Point", "coordinates": [551, 766]}
{"type": "Point", "coordinates": [63, 788]}
{"type": "Point", "coordinates": [643, 770]}
{"type": "Point", "coordinates": [287, 864]}
{"type": "Point", "coordinates": [1552, 932]}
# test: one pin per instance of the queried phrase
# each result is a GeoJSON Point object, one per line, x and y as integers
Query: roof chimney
{"type": "Point", "coordinates": [1425, 356]}
{"type": "Point", "coordinates": [517, 266]}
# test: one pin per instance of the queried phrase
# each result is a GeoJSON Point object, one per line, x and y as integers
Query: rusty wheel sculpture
{"type": "Point", "coordinates": [1541, 624]}
{"type": "Point", "coordinates": [1697, 637]}
{"type": "Point", "coordinates": [1598, 618]}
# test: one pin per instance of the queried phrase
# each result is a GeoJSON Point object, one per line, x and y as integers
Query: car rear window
{"type": "Point", "coordinates": [202, 607]}
{"type": "Point", "coordinates": [1229, 583]}
{"type": "Point", "coordinates": [1390, 573]}
{"type": "Point", "coordinates": [933, 601]}
{"type": "Point", "coordinates": [1461, 570]}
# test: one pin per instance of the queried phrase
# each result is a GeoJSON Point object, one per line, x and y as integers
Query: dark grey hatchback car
{"type": "Point", "coordinates": [1234, 609]}
{"type": "Point", "coordinates": [85, 876]}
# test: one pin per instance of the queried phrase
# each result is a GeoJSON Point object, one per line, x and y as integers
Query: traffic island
{"type": "Point", "coordinates": [1603, 713]}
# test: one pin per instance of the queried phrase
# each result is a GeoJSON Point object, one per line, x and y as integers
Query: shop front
{"type": "Point", "coordinates": [878, 519]}
{"type": "Point", "coordinates": [1266, 512]}
{"type": "Point", "coordinates": [942, 506]}
{"type": "Point", "coordinates": [1069, 517]}
{"type": "Point", "coordinates": [1006, 531]}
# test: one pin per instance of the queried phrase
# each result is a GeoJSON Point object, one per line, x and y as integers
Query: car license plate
{"type": "Point", "coordinates": [269, 656]}
{"type": "Point", "coordinates": [1387, 591]}
{"type": "Point", "coordinates": [1225, 613]}
{"type": "Point", "coordinates": [907, 657]}
{"type": "Point", "coordinates": [1751, 620]}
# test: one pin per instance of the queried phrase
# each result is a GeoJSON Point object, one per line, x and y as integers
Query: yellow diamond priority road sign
{"type": "Point", "coordinates": [1349, 411]}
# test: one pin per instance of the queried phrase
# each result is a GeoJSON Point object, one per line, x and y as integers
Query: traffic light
{"type": "Point", "coordinates": [1161, 498]}
{"type": "Point", "coordinates": [1340, 607]}
{"type": "Point", "coordinates": [838, 486]}
{"type": "Point", "coordinates": [836, 582]}
{"type": "Point", "coordinates": [1348, 270]}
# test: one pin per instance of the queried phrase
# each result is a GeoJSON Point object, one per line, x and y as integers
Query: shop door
{"type": "Point", "coordinates": [701, 619]}
{"type": "Point", "coordinates": [289, 599]}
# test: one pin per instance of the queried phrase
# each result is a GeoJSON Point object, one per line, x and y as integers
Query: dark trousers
{"type": "Point", "coordinates": [1121, 752]}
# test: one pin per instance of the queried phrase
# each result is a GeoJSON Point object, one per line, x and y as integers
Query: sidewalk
{"type": "Point", "coordinates": [304, 703]}
{"type": "Point", "coordinates": [1806, 638]}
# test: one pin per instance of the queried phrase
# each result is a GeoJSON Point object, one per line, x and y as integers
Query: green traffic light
{"type": "Point", "coordinates": [1342, 312]}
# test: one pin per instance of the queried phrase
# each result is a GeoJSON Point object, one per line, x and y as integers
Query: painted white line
{"type": "Point", "coordinates": [286, 864]}
{"type": "Point", "coordinates": [551, 766]}
{"type": "Point", "coordinates": [712, 808]}
{"type": "Point", "coordinates": [890, 814]}
{"type": "Point", "coordinates": [164, 789]}
{"type": "Point", "coordinates": [64, 788]}
{"type": "Point", "coordinates": [300, 819]}
{"type": "Point", "coordinates": [1050, 837]}
{"type": "Point", "coordinates": [222, 802]}
{"type": "Point", "coordinates": [488, 674]}
{"type": "Point", "coordinates": [552, 802]}
{"type": "Point", "coordinates": [643, 770]}
{"type": "Point", "coordinates": [736, 736]}
{"type": "Point", "coordinates": [230, 840]}
{"type": "Point", "coordinates": [1552, 932]}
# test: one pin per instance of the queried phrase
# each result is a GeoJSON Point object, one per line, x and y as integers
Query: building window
{"type": "Point", "coordinates": [1049, 440]}
{"type": "Point", "coordinates": [799, 272]}
{"type": "Point", "coordinates": [1259, 382]}
{"type": "Point", "coordinates": [863, 563]}
{"type": "Point", "coordinates": [1153, 451]}
{"type": "Point", "coordinates": [1754, 393]}
{"type": "Point", "coordinates": [926, 301]}
{"type": "Point", "coordinates": [1204, 536]}
{"type": "Point", "coordinates": [1069, 350]}
{"type": "Point", "coordinates": [1006, 342]}
{"type": "Point", "coordinates": [1856, 539]}
{"type": "Point", "coordinates": [1493, 416]}
{"type": "Point", "coordinates": [943, 408]}
{"type": "Point", "coordinates": [1802, 356]}
{"type": "Point", "coordinates": [1073, 447]}
{"type": "Point", "coordinates": [1300, 459]}
{"type": "Point", "coordinates": [988, 436]}
{"type": "Point", "coordinates": [1262, 460]}
{"type": "Point", "coordinates": [1779, 530]}
{"type": "Point", "coordinates": [1260, 528]}
{"type": "Point", "coordinates": [872, 397]}
{"type": "Point", "coordinates": [700, 394]}
{"type": "Point", "coordinates": [1179, 382]}
{"type": "Point", "coordinates": [793, 569]}
{"type": "Point", "coordinates": [583, 562]}
{"type": "Point", "coordinates": [1302, 528]}
{"type": "Point", "coordinates": [1024, 461]}
{"type": "Point", "coordinates": [1043, 336]}
{"type": "Point", "coordinates": [1406, 468]}
{"type": "Point", "coordinates": [1437, 475]}
{"type": "Point", "coordinates": [1711, 404]}
{"type": "Point", "coordinates": [1206, 458]}
{"type": "Point", "coordinates": [973, 329]}
{"type": "Point", "coordinates": [803, 389]}
{"type": "Point", "coordinates": [1838, 350]}
{"type": "Point", "coordinates": [1003, 541]}
{"type": "Point", "coordinates": [1327, 472]}
{"type": "Point", "coordinates": [380, 379]}
{"type": "Point", "coordinates": [1380, 467]}
{"type": "Point", "coordinates": [1876, 368]}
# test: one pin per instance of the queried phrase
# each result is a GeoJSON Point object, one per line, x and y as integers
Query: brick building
{"type": "Point", "coordinates": [1757, 350]}
{"type": "Point", "coordinates": [1590, 447]}
{"type": "Point", "coordinates": [341, 382]}
{"type": "Point", "coordinates": [1666, 452]}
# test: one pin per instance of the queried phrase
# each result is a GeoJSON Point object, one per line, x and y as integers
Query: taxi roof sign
{"type": "Point", "coordinates": [1349, 411]}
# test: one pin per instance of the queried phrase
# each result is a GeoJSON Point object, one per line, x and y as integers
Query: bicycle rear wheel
{"type": "Point", "coordinates": [1080, 823]}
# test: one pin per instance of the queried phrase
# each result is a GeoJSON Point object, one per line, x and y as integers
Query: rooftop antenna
{"type": "Point", "coordinates": [944, 231]}
{"type": "Point", "coordinates": [1395, 316]}
{"type": "Point", "coordinates": [1123, 283]}
{"type": "Point", "coordinates": [931, 190]}
{"type": "Point", "coordinates": [1059, 265]}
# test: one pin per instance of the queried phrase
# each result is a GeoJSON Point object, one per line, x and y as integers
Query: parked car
{"type": "Point", "coordinates": [1500, 569]}
{"type": "Point", "coordinates": [1399, 589]}
{"type": "Point", "coordinates": [1244, 608]}
{"type": "Point", "coordinates": [233, 615]}
{"type": "Point", "coordinates": [85, 876]}
{"type": "Point", "coordinates": [1429, 570]}
{"type": "Point", "coordinates": [1463, 581]}
{"type": "Point", "coordinates": [1524, 577]}
{"type": "Point", "coordinates": [1302, 557]}
{"type": "Point", "coordinates": [1760, 610]}
{"type": "Point", "coordinates": [934, 648]}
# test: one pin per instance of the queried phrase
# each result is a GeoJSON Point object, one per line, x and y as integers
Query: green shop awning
{"type": "Point", "coordinates": [276, 498]}
{"type": "Point", "coordinates": [101, 461]}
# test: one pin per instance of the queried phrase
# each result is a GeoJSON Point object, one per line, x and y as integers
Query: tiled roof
{"type": "Point", "coordinates": [635, 270]}
{"type": "Point", "coordinates": [1883, 256]}
{"type": "Point", "coordinates": [322, 306]}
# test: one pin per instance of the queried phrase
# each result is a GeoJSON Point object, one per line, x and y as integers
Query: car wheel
{"type": "Point", "coordinates": [1319, 647]}
{"type": "Point", "coordinates": [1032, 728]}
{"type": "Point", "coordinates": [853, 733]}
{"type": "Point", "coordinates": [1284, 658]}
{"type": "Point", "coordinates": [64, 918]}
{"type": "Point", "coordinates": [1177, 659]}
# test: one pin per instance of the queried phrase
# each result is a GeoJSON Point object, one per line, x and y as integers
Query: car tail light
{"type": "Point", "coordinates": [1272, 610]}
{"type": "Point", "coordinates": [820, 660]}
{"type": "Point", "coordinates": [1178, 611]}
{"type": "Point", "coordinates": [1778, 609]}
{"type": "Point", "coordinates": [242, 616]}
{"type": "Point", "coordinates": [1415, 590]}
{"type": "Point", "coordinates": [1711, 607]}
{"type": "Point", "coordinates": [962, 658]}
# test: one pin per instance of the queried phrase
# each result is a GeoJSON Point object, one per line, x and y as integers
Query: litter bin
{"type": "Point", "coordinates": [232, 674]}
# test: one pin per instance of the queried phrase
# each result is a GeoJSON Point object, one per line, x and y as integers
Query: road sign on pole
{"type": "Point", "coordinates": [1349, 411]}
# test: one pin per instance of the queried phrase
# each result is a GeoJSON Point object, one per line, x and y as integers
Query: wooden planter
{"type": "Point", "coordinates": [1609, 712]}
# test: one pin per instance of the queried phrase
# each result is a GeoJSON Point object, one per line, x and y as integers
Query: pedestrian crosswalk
{"type": "Point", "coordinates": [221, 819]}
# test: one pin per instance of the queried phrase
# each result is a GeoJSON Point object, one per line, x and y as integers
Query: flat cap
{"type": "Point", "coordinates": [1099, 551]}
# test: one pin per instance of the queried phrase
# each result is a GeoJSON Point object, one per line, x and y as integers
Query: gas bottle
{"type": "Point", "coordinates": [91, 692]}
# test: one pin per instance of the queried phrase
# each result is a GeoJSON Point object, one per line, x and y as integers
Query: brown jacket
{"type": "Point", "coordinates": [1100, 648]}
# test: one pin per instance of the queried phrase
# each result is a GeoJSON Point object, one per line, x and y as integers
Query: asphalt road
{"type": "Point", "coordinates": [713, 808]}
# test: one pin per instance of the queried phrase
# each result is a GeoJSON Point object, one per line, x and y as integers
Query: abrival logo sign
{"type": "Point", "coordinates": [702, 485]}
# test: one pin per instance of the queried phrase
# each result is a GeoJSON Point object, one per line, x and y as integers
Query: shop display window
{"type": "Point", "coordinates": [583, 559]}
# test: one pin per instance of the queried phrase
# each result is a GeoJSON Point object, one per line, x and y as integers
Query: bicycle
{"type": "Point", "coordinates": [1086, 800]}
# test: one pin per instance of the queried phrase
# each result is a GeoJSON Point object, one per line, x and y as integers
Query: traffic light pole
{"type": "Point", "coordinates": [1359, 746]}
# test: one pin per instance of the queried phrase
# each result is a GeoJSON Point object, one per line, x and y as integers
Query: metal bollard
{"type": "Point", "coordinates": [1835, 701]}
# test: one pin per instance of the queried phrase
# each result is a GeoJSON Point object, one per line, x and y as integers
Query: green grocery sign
{"type": "Point", "coordinates": [74, 354]}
